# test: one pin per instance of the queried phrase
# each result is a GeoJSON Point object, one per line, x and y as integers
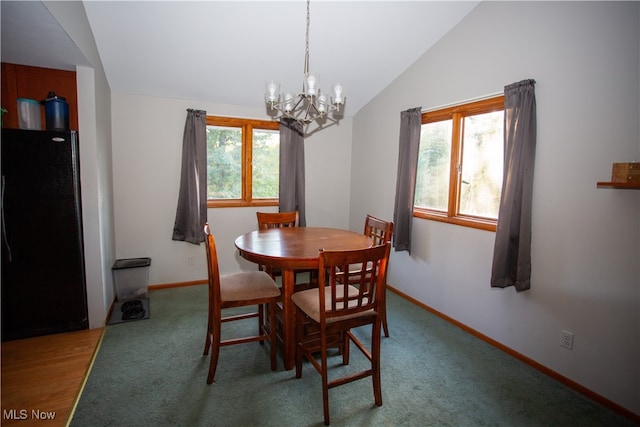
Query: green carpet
{"type": "Point", "coordinates": [152, 373]}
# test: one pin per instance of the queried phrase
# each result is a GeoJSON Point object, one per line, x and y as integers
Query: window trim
{"type": "Point", "coordinates": [247, 126]}
{"type": "Point", "coordinates": [456, 113]}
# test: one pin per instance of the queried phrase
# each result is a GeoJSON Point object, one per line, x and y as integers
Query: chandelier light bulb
{"type": "Point", "coordinates": [272, 92]}
{"type": "Point", "coordinates": [337, 93]}
{"type": "Point", "coordinates": [310, 83]}
{"type": "Point", "coordinates": [322, 104]}
{"type": "Point", "coordinates": [288, 105]}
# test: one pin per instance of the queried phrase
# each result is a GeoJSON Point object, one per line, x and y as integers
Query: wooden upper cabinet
{"type": "Point", "coordinates": [22, 81]}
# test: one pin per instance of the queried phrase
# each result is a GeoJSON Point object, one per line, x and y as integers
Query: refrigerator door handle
{"type": "Point", "coordinates": [5, 242]}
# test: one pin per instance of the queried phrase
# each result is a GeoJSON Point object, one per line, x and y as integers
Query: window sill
{"type": "Point", "coordinates": [464, 221]}
{"type": "Point", "coordinates": [240, 203]}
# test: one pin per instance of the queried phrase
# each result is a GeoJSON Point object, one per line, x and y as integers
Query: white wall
{"type": "Point", "coordinates": [147, 150]}
{"type": "Point", "coordinates": [586, 241]}
{"type": "Point", "coordinates": [94, 122]}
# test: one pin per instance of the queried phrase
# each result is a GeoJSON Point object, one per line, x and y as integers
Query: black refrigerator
{"type": "Point", "coordinates": [43, 273]}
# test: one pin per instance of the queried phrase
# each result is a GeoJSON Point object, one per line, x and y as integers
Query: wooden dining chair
{"type": "Point", "coordinates": [325, 315]}
{"type": "Point", "coordinates": [254, 288]}
{"type": "Point", "coordinates": [267, 220]}
{"type": "Point", "coordinates": [380, 232]}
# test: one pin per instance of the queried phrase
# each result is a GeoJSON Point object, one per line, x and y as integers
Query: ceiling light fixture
{"type": "Point", "coordinates": [311, 104]}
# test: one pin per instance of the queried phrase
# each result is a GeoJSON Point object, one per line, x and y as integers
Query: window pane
{"type": "Point", "coordinates": [224, 162]}
{"type": "Point", "coordinates": [482, 165]}
{"type": "Point", "coordinates": [432, 180]}
{"type": "Point", "coordinates": [266, 164]}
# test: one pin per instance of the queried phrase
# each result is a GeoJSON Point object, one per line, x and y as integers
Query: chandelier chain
{"type": "Point", "coordinates": [306, 52]}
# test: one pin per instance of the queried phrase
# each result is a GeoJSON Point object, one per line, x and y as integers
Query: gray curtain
{"type": "Point", "coordinates": [512, 250]}
{"type": "Point", "coordinates": [292, 185]}
{"type": "Point", "coordinates": [191, 214]}
{"type": "Point", "coordinates": [410, 124]}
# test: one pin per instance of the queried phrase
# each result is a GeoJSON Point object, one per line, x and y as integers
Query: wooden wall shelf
{"type": "Point", "coordinates": [621, 185]}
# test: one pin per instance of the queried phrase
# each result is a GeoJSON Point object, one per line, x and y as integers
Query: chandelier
{"type": "Point", "coordinates": [309, 105]}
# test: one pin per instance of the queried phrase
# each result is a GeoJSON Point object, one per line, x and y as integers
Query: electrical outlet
{"type": "Point", "coordinates": [191, 260]}
{"type": "Point", "coordinates": [566, 339]}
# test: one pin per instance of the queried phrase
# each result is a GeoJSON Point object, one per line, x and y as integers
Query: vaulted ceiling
{"type": "Point", "coordinates": [224, 51]}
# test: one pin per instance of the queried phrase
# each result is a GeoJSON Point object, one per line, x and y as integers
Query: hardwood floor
{"type": "Point", "coordinates": [43, 376]}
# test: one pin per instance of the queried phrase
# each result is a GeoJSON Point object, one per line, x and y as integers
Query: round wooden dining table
{"type": "Point", "coordinates": [292, 249]}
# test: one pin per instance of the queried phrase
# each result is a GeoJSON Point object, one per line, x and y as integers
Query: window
{"type": "Point", "coordinates": [243, 162]}
{"type": "Point", "coordinates": [460, 164]}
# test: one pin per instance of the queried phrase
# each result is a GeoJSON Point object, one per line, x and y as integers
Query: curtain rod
{"type": "Point", "coordinates": [453, 104]}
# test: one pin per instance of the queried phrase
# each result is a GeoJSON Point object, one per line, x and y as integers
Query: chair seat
{"type": "Point", "coordinates": [309, 302]}
{"type": "Point", "coordinates": [247, 285]}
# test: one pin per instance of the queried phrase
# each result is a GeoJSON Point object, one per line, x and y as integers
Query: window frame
{"type": "Point", "coordinates": [456, 114]}
{"type": "Point", "coordinates": [246, 126]}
